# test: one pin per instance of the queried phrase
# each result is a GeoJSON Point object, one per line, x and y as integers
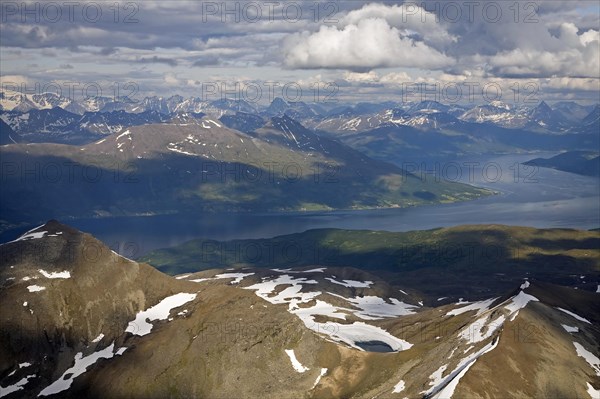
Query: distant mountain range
{"type": "Point", "coordinates": [80, 321]}
{"type": "Point", "coordinates": [186, 155]}
{"type": "Point", "coordinates": [48, 117]}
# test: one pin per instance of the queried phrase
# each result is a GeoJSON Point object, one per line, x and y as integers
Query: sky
{"type": "Point", "coordinates": [314, 51]}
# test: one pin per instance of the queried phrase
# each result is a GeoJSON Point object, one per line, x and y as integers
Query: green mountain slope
{"type": "Point", "coordinates": [194, 165]}
{"type": "Point", "coordinates": [465, 260]}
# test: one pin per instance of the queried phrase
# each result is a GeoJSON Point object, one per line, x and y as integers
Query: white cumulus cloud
{"type": "Point", "coordinates": [370, 43]}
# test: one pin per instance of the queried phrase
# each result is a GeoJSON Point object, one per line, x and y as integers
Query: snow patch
{"type": "Point", "coordinates": [375, 307]}
{"type": "Point", "coordinates": [351, 283]}
{"type": "Point", "coordinates": [35, 288]}
{"type": "Point", "coordinates": [570, 329]}
{"type": "Point", "coordinates": [350, 334]}
{"type": "Point", "coordinates": [125, 133]}
{"type": "Point", "coordinates": [238, 277]}
{"type": "Point", "coordinates": [481, 329]}
{"type": "Point", "coordinates": [520, 301]}
{"type": "Point", "coordinates": [31, 236]}
{"type": "Point", "coordinates": [98, 338]}
{"type": "Point", "coordinates": [265, 288]}
{"type": "Point", "coordinates": [589, 357]}
{"type": "Point", "coordinates": [436, 378]}
{"type": "Point", "coordinates": [323, 372]}
{"type": "Point", "coordinates": [479, 306]}
{"type": "Point", "coordinates": [399, 387]}
{"type": "Point", "coordinates": [575, 316]}
{"type": "Point", "coordinates": [65, 274]}
{"type": "Point", "coordinates": [81, 365]}
{"type": "Point", "coordinates": [140, 326]}
{"type": "Point", "coordinates": [295, 363]}
{"type": "Point", "coordinates": [16, 386]}
{"type": "Point", "coordinates": [448, 385]}
{"type": "Point", "coordinates": [594, 393]}
{"type": "Point", "coordinates": [317, 270]}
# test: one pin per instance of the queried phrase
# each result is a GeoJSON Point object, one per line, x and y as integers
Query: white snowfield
{"type": "Point", "coordinates": [317, 270]}
{"type": "Point", "coordinates": [265, 288]}
{"type": "Point", "coordinates": [575, 316]}
{"type": "Point", "coordinates": [519, 302]}
{"type": "Point", "coordinates": [350, 334]}
{"type": "Point", "coordinates": [481, 307]}
{"type": "Point", "coordinates": [357, 332]}
{"type": "Point", "coordinates": [125, 133]}
{"type": "Point", "coordinates": [140, 326]}
{"type": "Point", "coordinates": [594, 393]}
{"type": "Point", "coordinates": [351, 283]}
{"type": "Point", "coordinates": [374, 307]}
{"type": "Point", "coordinates": [481, 329]}
{"type": "Point", "coordinates": [295, 363]}
{"type": "Point", "coordinates": [323, 372]}
{"type": "Point", "coordinates": [570, 329]}
{"type": "Point", "coordinates": [35, 288]}
{"type": "Point", "coordinates": [484, 327]}
{"type": "Point", "coordinates": [32, 236]}
{"type": "Point", "coordinates": [16, 386]}
{"type": "Point", "coordinates": [399, 387]}
{"type": "Point", "coordinates": [98, 338]}
{"type": "Point", "coordinates": [64, 274]}
{"type": "Point", "coordinates": [436, 378]}
{"type": "Point", "coordinates": [81, 365]}
{"type": "Point", "coordinates": [446, 388]}
{"type": "Point", "coordinates": [21, 365]}
{"type": "Point", "coordinates": [238, 277]}
{"type": "Point", "coordinates": [589, 357]}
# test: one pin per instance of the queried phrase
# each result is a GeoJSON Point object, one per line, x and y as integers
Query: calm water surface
{"type": "Point", "coordinates": [527, 197]}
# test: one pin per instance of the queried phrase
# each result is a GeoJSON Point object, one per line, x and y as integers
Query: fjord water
{"type": "Point", "coordinates": [526, 197]}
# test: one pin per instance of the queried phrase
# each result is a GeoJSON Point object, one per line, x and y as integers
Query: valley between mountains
{"type": "Point", "coordinates": [78, 320]}
{"type": "Point", "coordinates": [191, 165]}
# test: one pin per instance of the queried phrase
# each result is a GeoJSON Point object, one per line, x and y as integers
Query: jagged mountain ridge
{"type": "Point", "coordinates": [16, 108]}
